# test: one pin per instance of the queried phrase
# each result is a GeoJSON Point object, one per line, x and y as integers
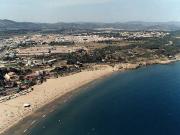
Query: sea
{"type": "Point", "coordinates": [144, 101]}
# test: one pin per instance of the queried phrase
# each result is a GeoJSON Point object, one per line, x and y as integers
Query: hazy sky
{"type": "Point", "coordinates": [90, 10]}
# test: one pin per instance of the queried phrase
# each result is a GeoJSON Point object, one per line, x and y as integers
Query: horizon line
{"type": "Point", "coordinates": [92, 21]}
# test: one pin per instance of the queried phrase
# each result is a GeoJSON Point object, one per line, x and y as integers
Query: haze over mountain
{"type": "Point", "coordinates": [129, 26]}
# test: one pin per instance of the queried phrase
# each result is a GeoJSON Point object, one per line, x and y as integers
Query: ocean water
{"type": "Point", "coordinates": [145, 101]}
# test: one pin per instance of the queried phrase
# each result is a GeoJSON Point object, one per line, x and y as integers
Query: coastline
{"type": "Point", "coordinates": [12, 112]}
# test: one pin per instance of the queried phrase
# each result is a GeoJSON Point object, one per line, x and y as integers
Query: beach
{"type": "Point", "coordinates": [125, 103]}
{"type": "Point", "coordinates": [13, 111]}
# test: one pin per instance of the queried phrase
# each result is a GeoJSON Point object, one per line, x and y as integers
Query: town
{"type": "Point", "coordinates": [31, 59]}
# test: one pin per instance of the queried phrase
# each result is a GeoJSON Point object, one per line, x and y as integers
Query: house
{"type": "Point", "coordinates": [11, 76]}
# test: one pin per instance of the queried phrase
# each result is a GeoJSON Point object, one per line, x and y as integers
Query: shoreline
{"type": "Point", "coordinates": [30, 121]}
{"type": "Point", "coordinates": [15, 106]}
{"type": "Point", "coordinates": [15, 113]}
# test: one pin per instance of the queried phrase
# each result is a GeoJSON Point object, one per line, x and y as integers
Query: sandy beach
{"type": "Point", "coordinates": [13, 111]}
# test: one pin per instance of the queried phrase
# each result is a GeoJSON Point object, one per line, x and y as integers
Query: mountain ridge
{"type": "Point", "coordinates": [6, 24]}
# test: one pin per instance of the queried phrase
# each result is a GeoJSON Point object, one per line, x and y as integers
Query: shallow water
{"type": "Point", "coordinates": [145, 101]}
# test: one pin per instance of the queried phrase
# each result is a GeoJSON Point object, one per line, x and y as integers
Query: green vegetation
{"type": "Point", "coordinates": [61, 43]}
{"type": "Point", "coordinates": [152, 48]}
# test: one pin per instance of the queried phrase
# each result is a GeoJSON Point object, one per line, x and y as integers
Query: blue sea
{"type": "Point", "coordinates": [145, 101]}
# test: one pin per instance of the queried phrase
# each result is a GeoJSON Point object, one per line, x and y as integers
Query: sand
{"type": "Point", "coordinates": [12, 111]}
